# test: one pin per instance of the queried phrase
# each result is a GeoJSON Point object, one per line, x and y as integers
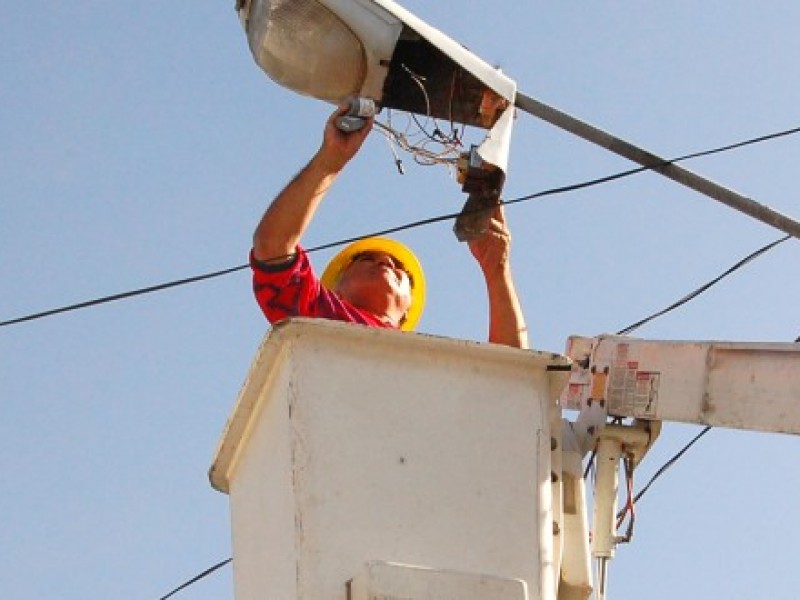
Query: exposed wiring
{"type": "Point", "coordinates": [418, 142]}
{"type": "Point", "coordinates": [437, 136]}
{"type": "Point", "coordinates": [420, 81]}
{"type": "Point", "coordinates": [397, 161]}
{"type": "Point", "coordinates": [450, 103]}
{"type": "Point", "coordinates": [418, 149]}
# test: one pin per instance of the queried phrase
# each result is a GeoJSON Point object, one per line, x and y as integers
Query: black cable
{"type": "Point", "coordinates": [658, 165]}
{"type": "Point", "coordinates": [734, 146]}
{"type": "Point", "coordinates": [421, 223]}
{"type": "Point", "coordinates": [197, 578]}
{"type": "Point", "coordinates": [176, 283]}
{"type": "Point", "coordinates": [103, 300]}
{"type": "Point", "coordinates": [704, 287]}
{"type": "Point", "coordinates": [669, 463]}
{"type": "Point", "coordinates": [590, 463]}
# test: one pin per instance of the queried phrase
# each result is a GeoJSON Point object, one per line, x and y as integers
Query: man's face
{"type": "Point", "coordinates": [377, 282]}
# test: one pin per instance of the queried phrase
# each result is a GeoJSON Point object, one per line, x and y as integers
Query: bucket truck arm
{"type": "Point", "coordinates": [750, 386]}
{"type": "Point", "coordinates": [739, 385]}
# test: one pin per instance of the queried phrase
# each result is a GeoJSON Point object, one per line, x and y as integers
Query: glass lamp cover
{"type": "Point", "coordinates": [304, 46]}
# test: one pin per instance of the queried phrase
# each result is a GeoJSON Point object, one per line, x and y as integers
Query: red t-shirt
{"type": "Point", "coordinates": [291, 289]}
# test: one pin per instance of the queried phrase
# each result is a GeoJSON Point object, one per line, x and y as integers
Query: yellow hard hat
{"type": "Point", "coordinates": [401, 252]}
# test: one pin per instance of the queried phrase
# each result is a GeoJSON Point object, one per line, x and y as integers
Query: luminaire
{"type": "Point", "coordinates": [335, 49]}
{"type": "Point", "coordinates": [332, 49]}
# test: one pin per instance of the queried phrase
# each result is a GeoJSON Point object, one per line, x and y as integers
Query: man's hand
{"type": "Point", "coordinates": [492, 249]}
{"type": "Point", "coordinates": [338, 147]}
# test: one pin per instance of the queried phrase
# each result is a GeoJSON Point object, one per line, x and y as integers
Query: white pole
{"type": "Point", "coordinates": [604, 533]}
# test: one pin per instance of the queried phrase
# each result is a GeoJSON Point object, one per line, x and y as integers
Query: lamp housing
{"type": "Point", "coordinates": [335, 49]}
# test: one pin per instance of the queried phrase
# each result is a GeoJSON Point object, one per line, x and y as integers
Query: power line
{"type": "Point", "coordinates": [197, 578]}
{"type": "Point", "coordinates": [704, 287]}
{"type": "Point", "coordinates": [667, 168]}
{"type": "Point", "coordinates": [658, 165]}
{"type": "Point", "coordinates": [407, 226]}
{"type": "Point", "coordinates": [121, 296]}
{"type": "Point", "coordinates": [670, 462]}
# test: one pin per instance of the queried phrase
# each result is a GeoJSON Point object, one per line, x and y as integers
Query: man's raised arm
{"type": "Point", "coordinates": [492, 251]}
{"type": "Point", "coordinates": [288, 216]}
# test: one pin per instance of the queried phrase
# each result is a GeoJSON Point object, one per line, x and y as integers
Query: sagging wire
{"type": "Point", "coordinates": [670, 462]}
{"type": "Point", "coordinates": [693, 294]}
{"type": "Point", "coordinates": [390, 141]}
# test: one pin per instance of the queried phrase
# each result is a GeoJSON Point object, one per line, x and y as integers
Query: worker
{"type": "Point", "coordinates": [376, 281]}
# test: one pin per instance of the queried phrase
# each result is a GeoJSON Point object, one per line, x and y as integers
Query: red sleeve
{"type": "Point", "coordinates": [287, 289]}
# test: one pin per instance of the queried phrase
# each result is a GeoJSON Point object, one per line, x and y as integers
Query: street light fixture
{"type": "Point", "coordinates": [335, 49]}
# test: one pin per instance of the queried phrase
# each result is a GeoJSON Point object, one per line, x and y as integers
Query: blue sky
{"type": "Point", "coordinates": [140, 143]}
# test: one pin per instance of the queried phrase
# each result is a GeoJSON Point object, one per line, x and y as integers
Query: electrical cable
{"type": "Point", "coordinates": [669, 463]}
{"type": "Point", "coordinates": [197, 578]}
{"type": "Point", "coordinates": [121, 296]}
{"type": "Point", "coordinates": [415, 224]}
{"type": "Point", "coordinates": [704, 287]}
{"type": "Point", "coordinates": [590, 463]}
{"type": "Point", "coordinates": [685, 157]}
{"type": "Point", "coordinates": [179, 282]}
{"type": "Point", "coordinates": [441, 139]}
{"type": "Point", "coordinates": [422, 155]}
